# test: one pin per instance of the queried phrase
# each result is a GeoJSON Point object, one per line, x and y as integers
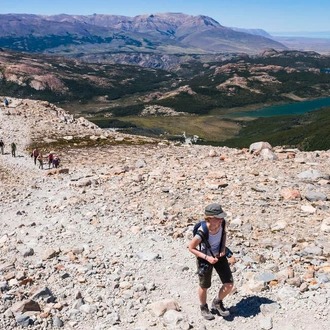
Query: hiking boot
{"type": "Point", "coordinates": [206, 313]}
{"type": "Point", "coordinates": [218, 305]}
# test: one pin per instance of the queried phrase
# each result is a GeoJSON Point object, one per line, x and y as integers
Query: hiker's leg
{"type": "Point", "coordinates": [202, 294]}
{"type": "Point", "coordinates": [223, 269]}
{"type": "Point", "coordinates": [204, 283]}
{"type": "Point", "coordinates": [225, 290]}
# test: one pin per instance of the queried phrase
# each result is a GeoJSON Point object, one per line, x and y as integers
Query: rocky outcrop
{"type": "Point", "coordinates": [42, 122]}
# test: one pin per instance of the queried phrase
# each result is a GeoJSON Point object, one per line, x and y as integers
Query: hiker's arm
{"type": "Point", "coordinates": [193, 249]}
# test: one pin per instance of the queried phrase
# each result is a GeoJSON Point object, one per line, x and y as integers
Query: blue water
{"type": "Point", "coordinates": [297, 108]}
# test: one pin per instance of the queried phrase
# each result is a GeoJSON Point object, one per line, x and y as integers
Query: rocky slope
{"type": "Point", "coordinates": [104, 246]}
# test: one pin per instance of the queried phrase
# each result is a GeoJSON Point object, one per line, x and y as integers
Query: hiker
{"type": "Point", "coordinates": [212, 254]}
{"type": "Point", "coordinates": [13, 149]}
{"type": "Point", "coordinates": [6, 102]}
{"type": "Point", "coordinates": [40, 160]}
{"type": "Point", "coordinates": [35, 154]}
{"type": "Point", "coordinates": [2, 145]}
{"type": "Point", "coordinates": [50, 159]}
{"type": "Point", "coordinates": [56, 161]}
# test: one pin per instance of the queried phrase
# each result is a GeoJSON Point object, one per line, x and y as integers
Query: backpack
{"type": "Point", "coordinates": [205, 234]}
{"type": "Point", "coordinates": [202, 224]}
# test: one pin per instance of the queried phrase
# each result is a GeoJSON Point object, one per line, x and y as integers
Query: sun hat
{"type": "Point", "coordinates": [215, 210]}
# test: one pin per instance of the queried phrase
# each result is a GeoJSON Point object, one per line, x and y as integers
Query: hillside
{"type": "Point", "coordinates": [58, 79]}
{"type": "Point", "coordinates": [308, 132]}
{"type": "Point", "coordinates": [206, 83]}
{"type": "Point", "coordinates": [199, 92]}
{"type": "Point", "coordinates": [101, 242]}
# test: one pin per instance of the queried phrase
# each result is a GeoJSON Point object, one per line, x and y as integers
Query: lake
{"type": "Point", "coordinates": [297, 108]}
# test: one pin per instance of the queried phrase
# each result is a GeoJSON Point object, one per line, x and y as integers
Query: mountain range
{"type": "Point", "coordinates": [165, 33]}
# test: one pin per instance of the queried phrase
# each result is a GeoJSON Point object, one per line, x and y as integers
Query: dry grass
{"type": "Point", "coordinates": [62, 145]}
{"type": "Point", "coordinates": [210, 128]}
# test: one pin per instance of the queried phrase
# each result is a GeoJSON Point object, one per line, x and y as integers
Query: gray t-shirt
{"type": "Point", "coordinates": [214, 240]}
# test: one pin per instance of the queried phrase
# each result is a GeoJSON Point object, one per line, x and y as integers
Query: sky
{"type": "Point", "coordinates": [282, 16]}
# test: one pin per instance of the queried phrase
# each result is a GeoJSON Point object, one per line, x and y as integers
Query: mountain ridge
{"type": "Point", "coordinates": [156, 32]}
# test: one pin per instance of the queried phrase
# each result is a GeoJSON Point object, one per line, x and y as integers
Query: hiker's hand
{"type": "Point", "coordinates": [222, 254]}
{"type": "Point", "coordinates": [212, 260]}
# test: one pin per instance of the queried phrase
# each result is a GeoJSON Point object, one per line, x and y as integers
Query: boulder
{"type": "Point", "coordinates": [256, 147]}
{"type": "Point", "coordinates": [267, 154]}
{"type": "Point", "coordinates": [159, 308]}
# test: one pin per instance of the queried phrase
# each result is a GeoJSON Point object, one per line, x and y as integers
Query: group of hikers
{"type": "Point", "coordinates": [2, 144]}
{"type": "Point", "coordinates": [52, 160]}
{"type": "Point", "coordinates": [12, 146]}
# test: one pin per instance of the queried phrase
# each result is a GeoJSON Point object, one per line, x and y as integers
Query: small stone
{"type": "Point", "coordinates": [266, 322]}
{"type": "Point", "coordinates": [28, 252]}
{"type": "Point", "coordinates": [27, 305]}
{"type": "Point", "coordinates": [24, 320]}
{"type": "Point", "coordinates": [88, 309]}
{"type": "Point", "coordinates": [57, 322]}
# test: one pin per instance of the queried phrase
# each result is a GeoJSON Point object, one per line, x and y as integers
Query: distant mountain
{"type": "Point", "coordinates": [303, 34]}
{"type": "Point", "coordinates": [166, 33]}
{"type": "Point", "coordinates": [257, 32]}
{"type": "Point", "coordinates": [320, 45]}
{"type": "Point", "coordinates": [301, 41]}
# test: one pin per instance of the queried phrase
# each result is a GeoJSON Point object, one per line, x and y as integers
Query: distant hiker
{"type": "Point", "coordinates": [40, 160]}
{"type": "Point", "coordinates": [209, 246]}
{"type": "Point", "coordinates": [56, 161]}
{"type": "Point", "coordinates": [50, 159]}
{"type": "Point", "coordinates": [35, 154]}
{"type": "Point", "coordinates": [13, 149]}
{"type": "Point", "coordinates": [6, 103]}
{"type": "Point", "coordinates": [2, 145]}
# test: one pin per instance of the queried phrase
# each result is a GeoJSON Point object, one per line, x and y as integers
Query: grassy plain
{"type": "Point", "coordinates": [209, 128]}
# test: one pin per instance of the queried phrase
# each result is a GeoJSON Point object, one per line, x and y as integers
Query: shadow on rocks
{"type": "Point", "coordinates": [248, 307]}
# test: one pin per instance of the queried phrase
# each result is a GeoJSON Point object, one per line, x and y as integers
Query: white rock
{"type": "Point", "coordinates": [325, 225]}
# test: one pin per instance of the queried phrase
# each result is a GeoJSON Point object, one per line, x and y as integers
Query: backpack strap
{"type": "Point", "coordinates": [203, 233]}
{"type": "Point", "coordinates": [205, 230]}
{"type": "Point", "coordinates": [223, 232]}
{"type": "Point", "coordinates": [205, 241]}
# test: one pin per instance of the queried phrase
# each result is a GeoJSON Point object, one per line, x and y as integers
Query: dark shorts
{"type": "Point", "coordinates": [222, 268]}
